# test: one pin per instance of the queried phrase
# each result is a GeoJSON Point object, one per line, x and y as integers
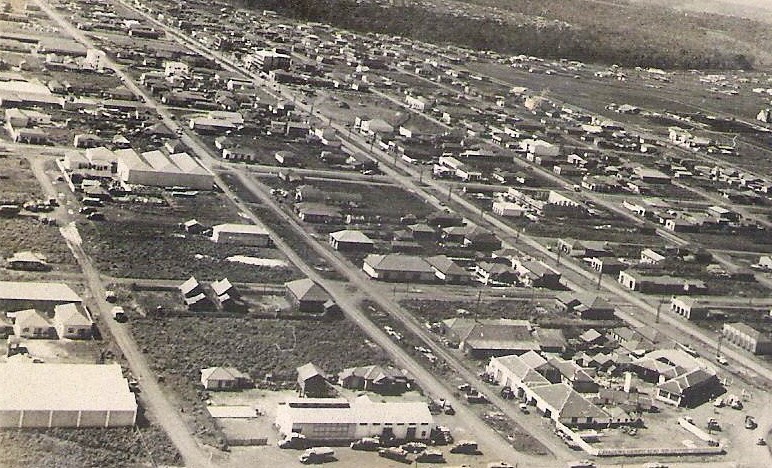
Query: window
{"type": "Point", "coordinates": [400, 424]}
{"type": "Point", "coordinates": [363, 424]}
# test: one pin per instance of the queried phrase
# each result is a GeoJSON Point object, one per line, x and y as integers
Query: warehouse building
{"type": "Point", "coordinates": [16, 295]}
{"type": "Point", "coordinates": [155, 169]}
{"type": "Point", "coordinates": [65, 395]}
{"type": "Point", "coordinates": [338, 420]}
{"type": "Point", "coordinates": [241, 234]}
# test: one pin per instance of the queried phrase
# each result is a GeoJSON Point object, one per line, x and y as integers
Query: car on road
{"type": "Point", "coordinates": [317, 455]}
{"type": "Point", "coordinates": [722, 360]}
{"type": "Point", "coordinates": [750, 423]}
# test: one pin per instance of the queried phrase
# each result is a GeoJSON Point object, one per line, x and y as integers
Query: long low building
{"type": "Point", "coordinates": [16, 295]}
{"type": "Point", "coordinates": [65, 395]}
{"type": "Point", "coordinates": [338, 420]}
{"type": "Point", "coordinates": [154, 168]}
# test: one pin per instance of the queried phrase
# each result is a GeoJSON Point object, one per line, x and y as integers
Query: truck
{"type": "Point", "coordinates": [368, 444]}
{"type": "Point", "coordinates": [119, 315]}
{"type": "Point", "coordinates": [316, 455]}
{"type": "Point", "coordinates": [430, 456]}
{"type": "Point", "coordinates": [293, 441]}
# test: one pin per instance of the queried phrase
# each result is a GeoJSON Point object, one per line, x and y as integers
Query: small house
{"type": "Point", "coordinates": [70, 322]}
{"type": "Point", "coordinates": [32, 324]}
{"type": "Point", "coordinates": [349, 240]}
{"type": "Point", "coordinates": [306, 296]}
{"type": "Point", "coordinates": [224, 378]}
{"type": "Point", "coordinates": [312, 382]}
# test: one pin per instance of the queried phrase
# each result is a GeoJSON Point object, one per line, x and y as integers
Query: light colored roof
{"type": "Point", "coordinates": [222, 373]}
{"type": "Point", "coordinates": [69, 315]}
{"type": "Point", "coordinates": [239, 229]}
{"type": "Point", "coordinates": [27, 256]}
{"type": "Point", "coordinates": [187, 164]}
{"type": "Point", "coordinates": [221, 287]}
{"type": "Point", "coordinates": [350, 235]}
{"type": "Point", "coordinates": [189, 285]}
{"type": "Point", "coordinates": [31, 291]}
{"type": "Point", "coordinates": [308, 370]}
{"type": "Point", "coordinates": [745, 328]}
{"type": "Point", "coordinates": [31, 318]}
{"type": "Point", "coordinates": [307, 290]}
{"type": "Point", "coordinates": [568, 403]}
{"type": "Point", "coordinates": [690, 379]}
{"type": "Point", "coordinates": [100, 154]}
{"type": "Point", "coordinates": [160, 162]}
{"type": "Point", "coordinates": [131, 159]}
{"type": "Point", "coordinates": [64, 387]}
{"type": "Point", "coordinates": [396, 262]}
{"type": "Point", "coordinates": [361, 410]}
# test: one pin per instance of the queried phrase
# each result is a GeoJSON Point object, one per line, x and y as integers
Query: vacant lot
{"type": "Point", "coordinates": [152, 232]}
{"type": "Point", "coordinates": [98, 448]}
{"type": "Point", "coordinates": [258, 347]}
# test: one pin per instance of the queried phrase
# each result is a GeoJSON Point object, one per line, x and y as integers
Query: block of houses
{"type": "Point", "coordinates": [747, 338]}
{"type": "Point", "coordinates": [688, 308]}
{"type": "Point", "coordinates": [689, 389]}
{"type": "Point", "coordinates": [663, 364]}
{"type": "Point", "coordinates": [660, 284]}
{"type": "Point", "coordinates": [487, 338]}
{"type": "Point", "coordinates": [225, 378]}
{"type": "Point", "coordinates": [382, 380]}
{"type": "Point", "coordinates": [70, 322]}
{"type": "Point", "coordinates": [306, 296]}
{"type": "Point", "coordinates": [398, 268]}
{"type": "Point", "coordinates": [350, 240]}
{"type": "Point", "coordinates": [241, 234]}
{"type": "Point", "coordinates": [311, 381]}
{"type": "Point", "coordinates": [519, 373]}
{"type": "Point", "coordinates": [586, 306]}
{"type": "Point", "coordinates": [32, 324]}
{"type": "Point", "coordinates": [448, 271]}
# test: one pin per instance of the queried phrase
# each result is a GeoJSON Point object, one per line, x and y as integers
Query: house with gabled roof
{"type": "Point", "coordinates": [350, 240]}
{"type": "Point", "coordinates": [190, 287]}
{"type": "Point", "coordinates": [70, 322]}
{"type": "Point", "coordinates": [32, 324]}
{"type": "Point", "coordinates": [537, 274]}
{"type": "Point", "coordinates": [398, 268]}
{"type": "Point", "coordinates": [225, 293]}
{"type": "Point", "coordinates": [312, 381]}
{"type": "Point", "coordinates": [586, 306]}
{"type": "Point", "coordinates": [306, 296]}
{"type": "Point", "coordinates": [689, 389]}
{"type": "Point", "coordinates": [571, 373]}
{"type": "Point", "coordinates": [519, 373]}
{"type": "Point", "coordinates": [485, 338]}
{"type": "Point", "coordinates": [383, 380]}
{"type": "Point", "coordinates": [224, 378]}
{"type": "Point", "coordinates": [448, 271]}
{"type": "Point", "coordinates": [563, 404]}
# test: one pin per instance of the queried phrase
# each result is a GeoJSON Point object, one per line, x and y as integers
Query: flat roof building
{"type": "Point", "coordinates": [337, 419]}
{"type": "Point", "coordinates": [241, 234]}
{"type": "Point", "coordinates": [65, 395]}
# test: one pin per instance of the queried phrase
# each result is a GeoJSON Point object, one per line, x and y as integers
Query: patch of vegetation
{"type": "Point", "coordinates": [98, 448]}
{"type": "Point", "coordinates": [575, 29]}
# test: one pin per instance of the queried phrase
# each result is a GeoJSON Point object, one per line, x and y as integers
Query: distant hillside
{"type": "Point", "coordinates": [625, 32]}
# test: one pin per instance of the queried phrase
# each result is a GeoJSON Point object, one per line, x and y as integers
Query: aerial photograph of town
{"type": "Point", "coordinates": [385, 233]}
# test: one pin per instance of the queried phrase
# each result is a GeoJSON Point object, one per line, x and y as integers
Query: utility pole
{"type": "Point", "coordinates": [659, 308]}
{"type": "Point", "coordinates": [477, 308]}
{"type": "Point", "coordinates": [557, 259]}
{"type": "Point", "coordinates": [718, 348]}
{"type": "Point", "coordinates": [450, 188]}
{"type": "Point", "coordinates": [600, 278]}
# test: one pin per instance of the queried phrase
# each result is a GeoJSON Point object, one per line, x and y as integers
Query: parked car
{"type": "Point", "coordinates": [393, 453]}
{"type": "Point", "coordinates": [430, 456]}
{"type": "Point", "coordinates": [750, 423]}
{"type": "Point", "coordinates": [293, 441]}
{"type": "Point", "coordinates": [413, 447]}
{"type": "Point", "coordinates": [317, 455]}
{"type": "Point", "coordinates": [367, 444]}
{"type": "Point", "coordinates": [467, 447]}
{"type": "Point", "coordinates": [580, 464]}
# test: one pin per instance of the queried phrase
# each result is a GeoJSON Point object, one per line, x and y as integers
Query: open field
{"type": "Point", "coordinates": [152, 231]}
{"type": "Point", "coordinates": [97, 448]}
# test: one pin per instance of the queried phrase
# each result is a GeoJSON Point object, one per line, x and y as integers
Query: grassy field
{"type": "Point", "coordinates": [152, 233]}
{"type": "Point", "coordinates": [97, 448]}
